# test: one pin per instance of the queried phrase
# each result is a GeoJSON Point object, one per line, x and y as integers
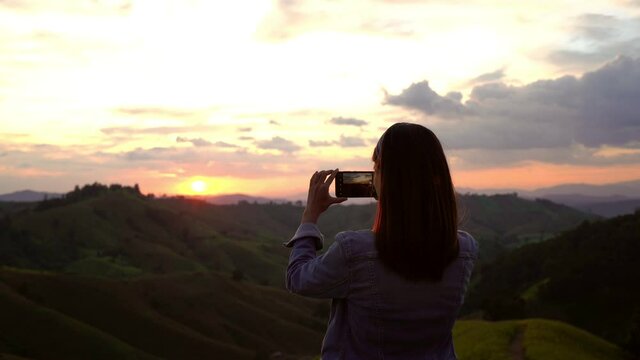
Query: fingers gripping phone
{"type": "Point", "coordinates": [355, 184]}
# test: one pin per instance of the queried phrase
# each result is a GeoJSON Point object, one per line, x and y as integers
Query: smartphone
{"type": "Point", "coordinates": [355, 184]}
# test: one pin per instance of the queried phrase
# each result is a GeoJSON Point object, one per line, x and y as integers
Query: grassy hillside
{"type": "Point", "coordinates": [138, 277]}
{"type": "Point", "coordinates": [188, 316]}
{"type": "Point", "coordinates": [506, 221]}
{"type": "Point", "coordinates": [586, 277]}
{"type": "Point", "coordinates": [532, 339]}
{"type": "Point", "coordinates": [195, 316]}
{"type": "Point", "coordinates": [118, 233]}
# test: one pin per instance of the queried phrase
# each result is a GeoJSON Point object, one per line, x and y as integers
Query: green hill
{"type": "Point", "coordinates": [532, 339]}
{"type": "Point", "coordinates": [118, 233]}
{"type": "Point", "coordinates": [132, 276]}
{"type": "Point", "coordinates": [195, 316]}
{"type": "Point", "coordinates": [188, 316]}
{"type": "Point", "coordinates": [505, 221]}
{"type": "Point", "coordinates": [587, 277]}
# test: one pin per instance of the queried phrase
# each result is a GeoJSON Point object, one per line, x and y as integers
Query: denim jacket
{"type": "Point", "coordinates": [375, 313]}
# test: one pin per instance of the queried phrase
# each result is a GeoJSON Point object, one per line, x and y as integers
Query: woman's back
{"type": "Point", "coordinates": [375, 313]}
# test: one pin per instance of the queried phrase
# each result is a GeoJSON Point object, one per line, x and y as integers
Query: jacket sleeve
{"type": "Point", "coordinates": [324, 276]}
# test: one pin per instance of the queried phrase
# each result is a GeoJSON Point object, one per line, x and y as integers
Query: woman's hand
{"type": "Point", "coordinates": [319, 199]}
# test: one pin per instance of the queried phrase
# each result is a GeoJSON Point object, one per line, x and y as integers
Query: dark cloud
{"type": "Point", "coordinates": [347, 121]}
{"type": "Point", "coordinates": [600, 108]}
{"type": "Point", "coordinates": [273, 122]}
{"type": "Point", "coordinates": [278, 143]}
{"type": "Point", "coordinates": [492, 91]}
{"type": "Point", "coordinates": [245, 138]}
{"type": "Point", "coordinates": [419, 96]}
{"type": "Point", "coordinates": [244, 129]}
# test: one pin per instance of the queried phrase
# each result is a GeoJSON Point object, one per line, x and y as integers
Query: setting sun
{"type": "Point", "coordinates": [198, 186]}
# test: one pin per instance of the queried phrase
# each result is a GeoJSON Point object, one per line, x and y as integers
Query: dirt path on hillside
{"type": "Point", "coordinates": [516, 349]}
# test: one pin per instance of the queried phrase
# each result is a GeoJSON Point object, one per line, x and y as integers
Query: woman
{"type": "Point", "coordinates": [397, 288]}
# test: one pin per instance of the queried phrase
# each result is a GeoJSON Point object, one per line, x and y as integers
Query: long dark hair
{"type": "Point", "coordinates": [416, 221]}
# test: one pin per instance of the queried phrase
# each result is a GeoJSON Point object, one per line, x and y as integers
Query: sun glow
{"type": "Point", "coordinates": [199, 186]}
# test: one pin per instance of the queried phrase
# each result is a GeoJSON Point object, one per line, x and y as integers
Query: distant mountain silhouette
{"type": "Point", "coordinates": [628, 188]}
{"type": "Point", "coordinates": [232, 199]}
{"type": "Point", "coordinates": [605, 200]}
{"type": "Point", "coordinates": [28, 196]}
{"type": "Point", "coordinates": [607, 206]}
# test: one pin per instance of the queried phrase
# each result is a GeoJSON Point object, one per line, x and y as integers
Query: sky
{"type": "Point", "coordinates": [254, 96]}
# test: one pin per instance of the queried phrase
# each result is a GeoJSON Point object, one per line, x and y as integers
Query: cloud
{"type": "Point", "coordinates": [351, 141]}
{"type": "Point", "coordinates": [157, 153]}
{"type": "Point", "coordinates": [223, 144]}
{"type": "Point", "coordinates": [394, 27]}
{"type": "Point", "coordinates": [98, 7]}
{"type": "Point", "coordinates": [575, 155]}
{"type": "Point", "coordinates": [291, 18]}
{"type": "Point", "coordinates": [420, 96]}
{"type": "Point", "coordinates": [488, 77]}
{"type": "Point", "coordinates": [596, 38]}
{"type": "Point", "coordinates": [288, 19]}
{"type": "Point", "coordinates": [155, 130]}
{"type": "Point", "coordinates": [278, 143]}
{"type": "Point", "coordinates": [320, 143]}
{"type": "Point", "coordinates": [599, 108]}
{"type": "Point", "coordinates": [597, 26]}
{"type": "Point", "coordinates": [344, 141]}
{"type": "Point", "coordinates": [155, 112]}
{"type": "Point", "coordinates": [347, 121]}
{"type": "Point", "coordinates": [199, 142]}
{"type": "Point", "coordinates": [244, 129]}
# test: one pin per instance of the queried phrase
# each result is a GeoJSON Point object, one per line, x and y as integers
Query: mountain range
{"type": "Point", "coordinates": [606, 200]}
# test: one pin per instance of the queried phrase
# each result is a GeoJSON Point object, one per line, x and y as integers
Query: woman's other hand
{"type": "Point", "coordinates": [319, 199]}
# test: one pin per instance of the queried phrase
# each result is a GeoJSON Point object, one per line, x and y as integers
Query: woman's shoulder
{"type": "Point", "coordinates": [355, 235]}
{"type": "Point", "coordinates": [468, 245]}
{"type": "Point", "coordinates": [356, 241]}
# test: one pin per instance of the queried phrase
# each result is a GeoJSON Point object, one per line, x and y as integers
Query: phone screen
{"type": "Point", "coordinates": [355, 184]}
